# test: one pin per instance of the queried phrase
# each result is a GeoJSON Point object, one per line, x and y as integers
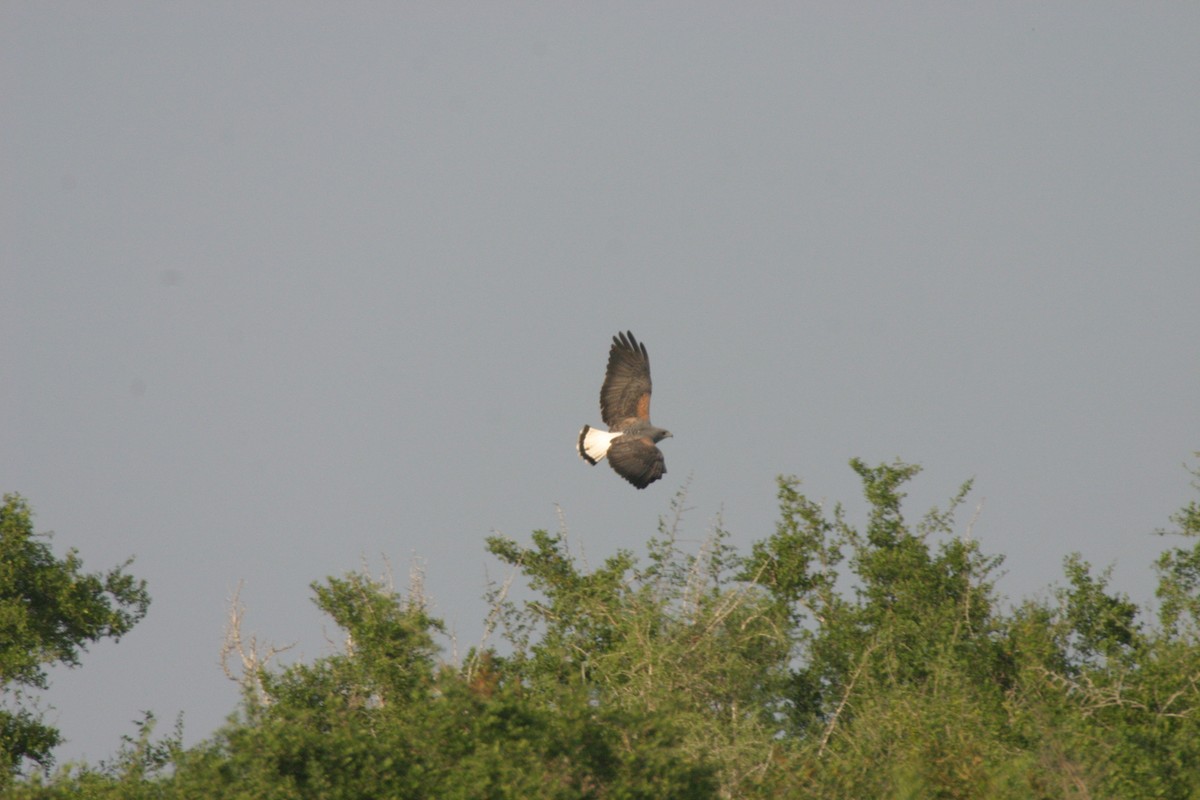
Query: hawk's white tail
{"type": "Point", "coordinates": [593, 444]}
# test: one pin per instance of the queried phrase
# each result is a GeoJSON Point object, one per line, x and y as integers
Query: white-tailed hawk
{"type": "Point", "coordinates": [631, 441]}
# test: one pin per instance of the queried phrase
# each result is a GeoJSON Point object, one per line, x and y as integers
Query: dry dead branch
{"type": "Point", "coordinates": [254, 660]}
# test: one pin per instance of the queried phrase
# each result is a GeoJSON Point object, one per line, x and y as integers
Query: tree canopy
{"type": "Point", "coordinates": [833, 659]}
{"type": "Point", "coordinates": [50, 610]}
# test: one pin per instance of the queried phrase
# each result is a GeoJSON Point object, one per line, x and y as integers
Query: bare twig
{"type": "Point", "coordinates": [253, 660]}
{"type": "Point", "coordinates": [837, 712]}
{"type": "Point", "coordinates": [493, 618]}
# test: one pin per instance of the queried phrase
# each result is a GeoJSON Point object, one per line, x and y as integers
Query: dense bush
{"type": "Point", "coordinates": [832, 660]}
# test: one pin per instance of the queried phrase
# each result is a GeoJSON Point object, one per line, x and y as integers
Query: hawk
{"type": "Point", "coordinates": [631, 441]}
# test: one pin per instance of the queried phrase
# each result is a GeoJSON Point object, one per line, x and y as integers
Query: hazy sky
{"type": "Point", "coordinates": [290, 287]}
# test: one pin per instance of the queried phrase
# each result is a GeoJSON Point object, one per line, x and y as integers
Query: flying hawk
{"type": "Point", "coordinates": [630, 442]}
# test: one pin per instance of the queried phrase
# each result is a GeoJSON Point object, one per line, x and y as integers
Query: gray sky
{"type": "Point", "coordinates": [286, 287]}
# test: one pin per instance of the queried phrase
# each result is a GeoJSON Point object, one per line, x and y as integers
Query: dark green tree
{"type": "Point", "coordinates": [1179, 573]}
{"type": "Point", "coordinates": [836, 661]}
{"type": "Point", "coordinates": [383, 718]}
{"type": "Point", "coordinates": [50, 610]}
{"type": "Point", "coordinates": [678, 645]}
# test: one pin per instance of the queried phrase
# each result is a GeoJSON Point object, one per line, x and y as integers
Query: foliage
{"type": "Point", "coordinates": [678, 642]}
{"type": "Point", "coordinates": [833, 660]}
{"type": "Point", "coordinates": [50, 610]}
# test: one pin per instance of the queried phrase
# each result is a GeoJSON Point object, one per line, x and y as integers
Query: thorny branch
{"type": "Point", "coordinates": [1096, 697]}
{"type": "Point", "coordinates": [837, 712]}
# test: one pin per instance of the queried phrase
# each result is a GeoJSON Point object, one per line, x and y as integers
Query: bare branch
{"type": "Point", "coordinates": [837, 712]}
{"type": "Point", "coordinates": [253, 660]}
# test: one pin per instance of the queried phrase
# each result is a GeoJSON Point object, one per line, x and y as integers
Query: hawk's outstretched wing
{"type": "Point", "coordinates": [625, 395]}
{"type": "Point", "coordinates": [637, 460]}
{"type": "Point", "coordinates": [630, 441]}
